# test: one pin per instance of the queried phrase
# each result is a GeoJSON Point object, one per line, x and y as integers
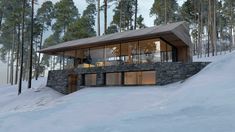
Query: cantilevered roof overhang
{"type": "Point", "coordinates": [176, 34]}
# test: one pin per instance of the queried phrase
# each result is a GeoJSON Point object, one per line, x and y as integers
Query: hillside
{"type": "Point", "coordinates": [202, 103]}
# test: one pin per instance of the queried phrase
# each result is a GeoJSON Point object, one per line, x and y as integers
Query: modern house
{"type": "Point", "coordinates": [151, 56]}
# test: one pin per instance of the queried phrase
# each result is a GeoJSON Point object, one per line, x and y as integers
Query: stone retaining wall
{"type": "Point", "coordinates": [165, 73]}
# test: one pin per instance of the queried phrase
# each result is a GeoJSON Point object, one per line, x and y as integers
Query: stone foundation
{"type": "Point", "coordinates": [165, 73]}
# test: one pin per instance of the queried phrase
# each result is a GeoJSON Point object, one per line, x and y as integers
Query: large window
{"type": "Point", "coordinates": [154, 50]}
{"type": "Point", "coordinates": [90, 79]}
{"type": "Point", "coordinates": [148, 77]}
{"type": "Point", "coordinates": [145, 51]}
{"type": "Point", "coordinates": [113, 79]}
{"type": "Point", "coordinates": [131, 78]}
{"type": "Point", "coordinates": [83, 59]}
{"type": "Point", "coordinates": [97, 56]}
{"type": "Point", "coordinates": [112, 54]}
{"type": "Point", "coordinates": [129, 53]}
{"type": "Point", "coordinates": [149, 51]}
{"type": "Point", "coordinates": [140, 78]}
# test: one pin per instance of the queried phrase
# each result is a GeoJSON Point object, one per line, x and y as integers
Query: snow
{"type": "Point", "coordinates": [211, 58]}
{"type": "Point", "coordinates": [31, 99]}
{"type": "Point", "coordinates": [202, 103]}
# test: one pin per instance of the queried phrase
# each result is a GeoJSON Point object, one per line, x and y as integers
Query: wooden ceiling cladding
{"type": "Point", "coordinates": [176, 34]}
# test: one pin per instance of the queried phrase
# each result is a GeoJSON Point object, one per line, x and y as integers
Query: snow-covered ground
{"type": "Point", "coordinates": [211, 58]}
{"type": "Point", "coordinates": [202, 103]}
{"type": "Point", "coordinates": [31, 99]}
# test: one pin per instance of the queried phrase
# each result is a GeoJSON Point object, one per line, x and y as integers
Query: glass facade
{"type": "Point", "coordinates": [112, 54]}
{"type": "Point", "coordinates": [97, 57]}
{"type": "Point", "coordinates": [155, 50]}
{"type": "Point", "coordinates": [136, 52]}
{"type": "Point", "coordinates": [129, 53]}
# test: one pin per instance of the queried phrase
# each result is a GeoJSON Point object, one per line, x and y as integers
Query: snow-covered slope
{"type": "Point", "coordinates": [211, 58]}
{"type": "Point", "coordinates": [203, 103]}
{"type": "Point", "coordinates": [30, 99]}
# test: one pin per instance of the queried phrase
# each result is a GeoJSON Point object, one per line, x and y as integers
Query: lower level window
{"type": "Point", "coordinates": [148, 77]}
{"type": "Point", "coordinates": [113, 79]}
{"type": "Point", "coordinates": [140, 78]}
{"type": "Point", "coordinates": [131, 78]}
{"type": "Point", "coordinates": [90, 79]}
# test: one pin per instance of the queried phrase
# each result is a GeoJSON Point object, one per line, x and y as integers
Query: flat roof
{"type": "Point", "coordinates": [176, 34]}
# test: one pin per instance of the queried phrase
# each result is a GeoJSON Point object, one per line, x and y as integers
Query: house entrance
{"type": "Point", "coordinates": [72, 83]}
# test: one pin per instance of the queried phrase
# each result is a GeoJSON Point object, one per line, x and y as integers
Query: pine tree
{"type": "Point", "coordinates": [98, 13]}
{"type": "Point", "coordinates": [83, 27]}
{"type": "Point", "coordinates": [123, 15]}
{"type": "Point", "coordinates": [44, 18]}
{"type": "Point", "coordinates": [229, 7]}
{"type": "Point", "coordinates": [31, 46]}
{"type": "Point", "coordinates": [65, 12]}
{"type": "Point", "coordinates": [136, 12]}
{"type": "Point", "coordinates": [105, 15]}
{"type": "Point", "coordinates": [165, 11]}
{"type": "Point", "coordinates": [22, 48]}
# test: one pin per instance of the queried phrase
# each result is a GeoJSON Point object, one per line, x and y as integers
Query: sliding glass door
{"type": "Point", "coordinates": [140, 78]}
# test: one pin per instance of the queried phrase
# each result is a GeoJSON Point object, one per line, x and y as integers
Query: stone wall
{"type": "Point", "coordinates": [165, 73]}
{"type": "Point", "coordinates": [58, 80]}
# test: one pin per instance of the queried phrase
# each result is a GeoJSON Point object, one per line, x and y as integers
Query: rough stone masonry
{"type": "Point", "coordinates": [165, 73]}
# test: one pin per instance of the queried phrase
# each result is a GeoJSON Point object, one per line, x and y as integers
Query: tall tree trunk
{"type": "Point", "coordinates": [200, 28]}
{"type": "Point", "coordinates": [231, 27]}
{"type": "Point", "coordinates": [214, 29]}
{"type": "Point", "coordinates": [17, 55]}
{"type": "Point", "coordinates": [12, 58]}
{"type": "Point", "coordinates": [211, 20]}
{"type": "Point", "coordinates": [136, 12]}
{"type": "Point", "coordinates": [8, 65]}
{"type": "Point", "coordinates": [39, 56]}
{"type": "Point", "coordinates": [105, 15]}
{"type": "Point", "coordinates": [208, 43]}
{"type": "Point", "coordinates": [98, 17]}
{"type": "Point", "coordinates": [165, 11]}
{"type": "Point", "coordinates": [1, 13]}
{"type": "Point", "coordinates": [31, 46]}
{"type": "Point", "coordinates": [231, 38]}
{"type": "Point", "coordinates": [36, 58]}
{"type": "Point", "coordinates": [220, 32]}
{"type": "Point", "coordinates": [22, 49]}
{"type": "Point", "coordinates": [120, 19]}
{"type": "Point", "coordinates": [209, 27]}
{"type": "Point", "coordinates": [1, 17]}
